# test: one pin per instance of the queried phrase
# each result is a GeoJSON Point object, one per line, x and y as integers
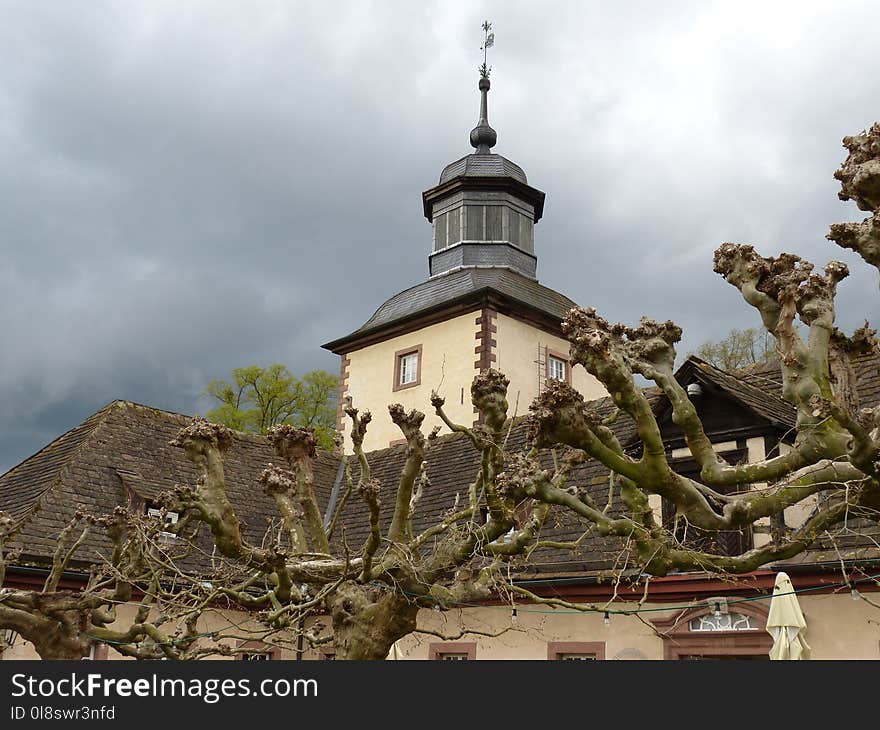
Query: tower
{"type": "Point", "coordinates": [481, 306]}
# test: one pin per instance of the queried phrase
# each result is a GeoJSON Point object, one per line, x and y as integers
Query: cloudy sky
{"type": "Point", "coordinates": [190, 187]}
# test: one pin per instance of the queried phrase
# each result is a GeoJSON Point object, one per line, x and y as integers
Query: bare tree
{"type": "Point", "coordinates": [65, 623]}
{"type": "Point", "coordinates": [371, 592]}
{"type": "Point", "coordinates": [836, 449]}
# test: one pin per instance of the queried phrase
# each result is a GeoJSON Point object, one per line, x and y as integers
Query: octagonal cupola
{"type": "Point", "coordinates": [483, 210]}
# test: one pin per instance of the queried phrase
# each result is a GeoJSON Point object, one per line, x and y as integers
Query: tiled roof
{"type": "Point", "coordinates": [447, 288]}
{"type": "Point", "coordinates": [767, 377]}
{"type": "Point", "coordinates": [124, 446]}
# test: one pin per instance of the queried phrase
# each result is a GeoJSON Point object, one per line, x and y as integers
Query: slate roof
{"type": "Point", "coordinates": [483, 165]}
{"type": "Point", "coordinates": [441, 291]}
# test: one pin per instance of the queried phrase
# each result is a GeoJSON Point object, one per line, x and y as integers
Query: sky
{"type": "Point", "coordinates": [186, 188]}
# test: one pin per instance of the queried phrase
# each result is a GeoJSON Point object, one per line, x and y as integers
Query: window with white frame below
{"type": "Point", "coordinates": [575, 657]}
{"type": "Point", "coordinates": [556, 368]}
{"type": "Point", "coordinates": [453, 656]}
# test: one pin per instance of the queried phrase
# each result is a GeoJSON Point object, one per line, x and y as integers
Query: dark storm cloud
{"type": "Point", "coordinates": [190, 188]}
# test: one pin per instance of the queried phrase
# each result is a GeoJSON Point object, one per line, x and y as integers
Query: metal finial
{"type": "Point", "coordinates": [483, 137]}
{"type": "Point", "coordinates": [488, 42]}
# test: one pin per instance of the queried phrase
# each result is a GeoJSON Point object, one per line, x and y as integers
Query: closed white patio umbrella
{"type": "Point", "coordinates": [785, 622]}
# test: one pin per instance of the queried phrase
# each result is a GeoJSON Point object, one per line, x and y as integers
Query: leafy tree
{"type": "Point", "coordinates": [739, 349]}
{"type": "Point", "coordinates": [259, 398]}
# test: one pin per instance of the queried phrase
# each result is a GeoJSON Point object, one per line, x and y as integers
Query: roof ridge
{"type": "Point", "coordinates": [104, 410]}
{"type": "Point", "coordinates": [100, 416]}
{"type": "Point", "coordinates": [108, 411]}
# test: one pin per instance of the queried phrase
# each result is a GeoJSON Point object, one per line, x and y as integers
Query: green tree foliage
{"type": "Point", "coordinates": [258, 398]}
{"type": "Point", "coordinates": [739, 349]}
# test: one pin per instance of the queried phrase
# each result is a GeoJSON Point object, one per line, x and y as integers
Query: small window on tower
{"type": "Point", "coordinates": [440, 232]}
{"type": "Point", "coordinates": [493, 223]}
{"type": "Point", "coordinates": [513, 226]}
{"type": "Point", "coordinates": [526, 242]}
{"type": "Point", "coordinates": [474, 223]}
{"type": "Point", "coordinates": [454, 226]}
{"type": "Point", "coordinates": [407, 367]}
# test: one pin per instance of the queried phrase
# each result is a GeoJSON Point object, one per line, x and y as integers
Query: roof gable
{"type": "Point", "coordinates": [763, 404]}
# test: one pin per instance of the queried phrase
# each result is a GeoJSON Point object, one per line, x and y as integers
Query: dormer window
{"type": "Point", "coordinates": [407, 368]}
{"type": "Point", "coordinates": [168, 518]}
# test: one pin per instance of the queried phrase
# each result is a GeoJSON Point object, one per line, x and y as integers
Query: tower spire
{"type": "Point", "coordinates": [483, 137]}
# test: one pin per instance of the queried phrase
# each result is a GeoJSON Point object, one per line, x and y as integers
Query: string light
{"type": "Point", "coordinates": [606, 618]}
{"type": "Point", "coordinates": [634, 611]}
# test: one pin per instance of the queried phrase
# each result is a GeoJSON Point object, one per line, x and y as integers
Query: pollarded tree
{"type": "Point", "coordinates": [372, 593]}
{"type": "Point", "coordinates": [58, 621]}
{"type": "Point", "coordinates": [837, 446]}
{"type": "Point", "coordinates": [66, 622]}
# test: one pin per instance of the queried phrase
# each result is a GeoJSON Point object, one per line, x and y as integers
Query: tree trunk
{"type": "Point", "coordinates": [367, 621]}
{"type": "Point", "coordinates": [55, 635]}
{"type": "Point", "coordinates": [55, 643]}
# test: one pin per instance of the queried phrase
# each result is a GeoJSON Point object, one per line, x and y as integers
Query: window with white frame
{"type": "Point", "coordinates": [556, 368]}
{"type": "Point", "coordinates": [407, 368]}
{"type": "Point", "coordinates": [452, 656]}
{"type": "Point", "coordinates": [575, 657]}
{"type": "Point", "coordinates": [257, 651]}
{"type": "Point", "coordinates": [718, 621]}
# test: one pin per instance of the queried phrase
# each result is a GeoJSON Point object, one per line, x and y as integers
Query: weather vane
{"type": "Point", "coordinates": [488, 42]}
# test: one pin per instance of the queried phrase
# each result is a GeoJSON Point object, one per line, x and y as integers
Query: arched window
{"type": "Point", "coordinates": [736, 631]}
